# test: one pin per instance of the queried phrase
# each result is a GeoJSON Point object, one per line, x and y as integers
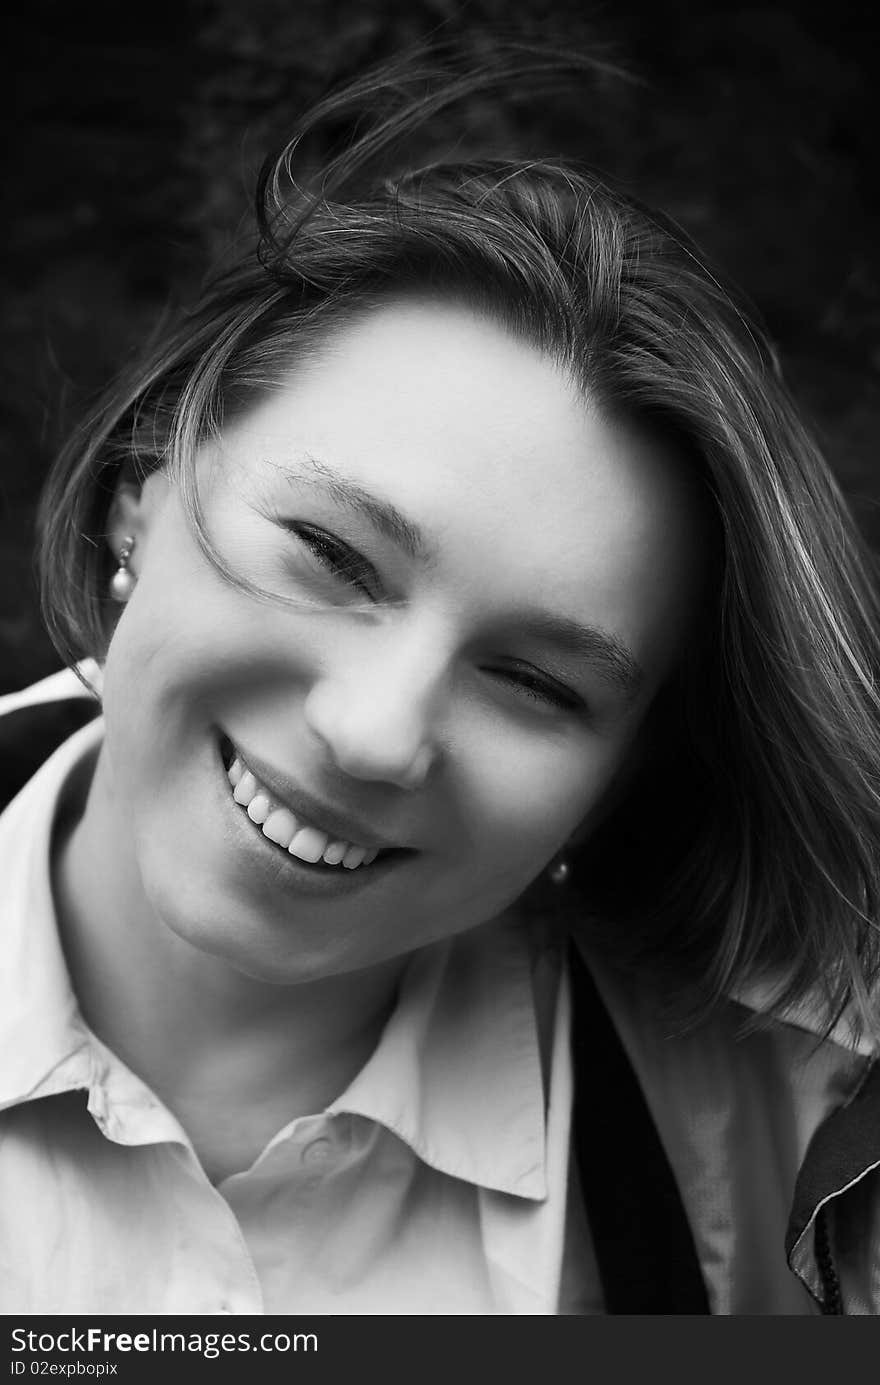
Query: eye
{"type": "Point", "coordinates": [538, 687]}
{"type": "Point", "coordinates": [337, 557]}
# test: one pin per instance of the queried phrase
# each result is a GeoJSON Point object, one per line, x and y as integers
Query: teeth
{"type": "Point", "coordinates": [280, 827]}
{"type": "Point", "coordinates": [354, 856]}
{"type": "Point", "coordinates": [309, 844]}
{"type": "Point", "coordinates": [259, 808]}
{"type": "Point", "coordinates": [245, 789]}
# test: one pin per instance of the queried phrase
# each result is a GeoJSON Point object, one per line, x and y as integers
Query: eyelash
{"type": "Point", "coordinates": [352, 568]}
{"type": "Point", "coordinates": [344, 562]}
{"type": "Point", "coordinates": [539, 690]}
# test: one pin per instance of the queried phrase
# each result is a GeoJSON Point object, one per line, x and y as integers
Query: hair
{"type": "Point", "coordinates": [746, 845]}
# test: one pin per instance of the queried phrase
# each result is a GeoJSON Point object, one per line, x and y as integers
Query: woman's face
{"type": "Point", "coordinates": [486, 584]}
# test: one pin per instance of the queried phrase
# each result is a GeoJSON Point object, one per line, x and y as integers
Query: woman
{"type": "Point", "coordinates": [458, 579]}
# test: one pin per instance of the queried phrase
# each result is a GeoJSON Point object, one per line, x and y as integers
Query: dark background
{"type": "Point", "coordinates": [134, 132]}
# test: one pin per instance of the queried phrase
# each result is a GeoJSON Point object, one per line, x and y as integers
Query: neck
{"type": "Point", "coordinates": [206, 1038]}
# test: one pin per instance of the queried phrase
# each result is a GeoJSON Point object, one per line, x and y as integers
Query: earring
{"type": "Point", "coordinates": [560, 871]}
{"type": "Point", "coordinates": [123, 581]}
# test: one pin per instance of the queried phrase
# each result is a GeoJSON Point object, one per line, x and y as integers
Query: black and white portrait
{"type": "Point", "coordinates": [439, 721]}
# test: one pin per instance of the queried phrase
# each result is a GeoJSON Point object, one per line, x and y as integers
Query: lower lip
{"type": "Point", "coordinates": [289, 871]}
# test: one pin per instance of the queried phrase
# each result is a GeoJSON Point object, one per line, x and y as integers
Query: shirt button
{"type": "Point", "coordinates": [317, 1153]}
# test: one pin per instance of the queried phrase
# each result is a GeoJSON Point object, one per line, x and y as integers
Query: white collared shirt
{"type": "Point", "coordinates": [435, 1184]}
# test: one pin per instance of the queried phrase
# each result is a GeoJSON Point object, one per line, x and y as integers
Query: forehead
{"type": "Point", "coordinates": [525, 491]}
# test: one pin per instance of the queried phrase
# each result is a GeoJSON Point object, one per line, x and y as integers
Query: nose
{"type": "Point", "coordinates": [378, 715]}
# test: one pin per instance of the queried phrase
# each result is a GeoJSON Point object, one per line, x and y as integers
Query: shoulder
{"type": "Point", "coordinates": [735, 1109]}
{"type": "Point", "coordinates": [778, 1072]}
{"type": "Point", "coordinates": [34, 721]}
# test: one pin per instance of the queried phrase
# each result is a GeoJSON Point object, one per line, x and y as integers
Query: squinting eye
{"type": "Point", "coordinates": [538, 689]}
{"type": "Point", "coordinates": [337, 557]}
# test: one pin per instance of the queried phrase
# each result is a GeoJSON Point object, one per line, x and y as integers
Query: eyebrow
{"type": "Point", "coordinates": [384, 516]}
{"type": "Point", "coordinates": [605, 653]}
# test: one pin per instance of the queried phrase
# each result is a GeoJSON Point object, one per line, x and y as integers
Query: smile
{"type": "Point", "coordinates": [293, 833]}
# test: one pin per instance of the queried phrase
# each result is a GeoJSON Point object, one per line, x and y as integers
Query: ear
{"type": "Point", "coordinates": [133, 511]}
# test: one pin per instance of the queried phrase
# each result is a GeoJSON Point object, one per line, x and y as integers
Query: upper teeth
{"type": "Point", "coordinates": [293, 834]}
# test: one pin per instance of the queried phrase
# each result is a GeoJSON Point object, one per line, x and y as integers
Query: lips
{"type": "Point", "coordinates": [311, 834]}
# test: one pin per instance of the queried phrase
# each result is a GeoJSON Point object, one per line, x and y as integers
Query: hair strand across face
{"type": "Point", "coordinates": [747, 846]}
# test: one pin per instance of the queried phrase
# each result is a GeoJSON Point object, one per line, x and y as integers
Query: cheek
{"type": "Point", "coordinates": [183, 629]}
{"type": "Point", "coordinates": [529, 802]}
{"type": "Point", "coordinates": [163, 676]}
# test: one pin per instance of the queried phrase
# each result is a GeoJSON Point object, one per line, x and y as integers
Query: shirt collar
{"type": "Point", "coordinates": [84, 681]}
{"type": "Point", "coordinates": [42, 1035]}
{"type": "Point", "coordinates": [456, 1074]}
{"type": "Point", "coordinates": [806, 1015]}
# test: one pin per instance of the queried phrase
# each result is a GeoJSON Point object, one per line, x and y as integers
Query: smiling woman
{"type": "Point", "coordinates": [475, 629]}
{"type": "Point", "coordinates": [450, 686]}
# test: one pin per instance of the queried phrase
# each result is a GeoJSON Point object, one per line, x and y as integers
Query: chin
{"type": "Point", "coordinates": [268, 950]}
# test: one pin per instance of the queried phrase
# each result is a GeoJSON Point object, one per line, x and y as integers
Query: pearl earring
{"type": "Point", "coordinates": [123, 581]}
{"type": "Point", "coordinates": [560, 871]}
